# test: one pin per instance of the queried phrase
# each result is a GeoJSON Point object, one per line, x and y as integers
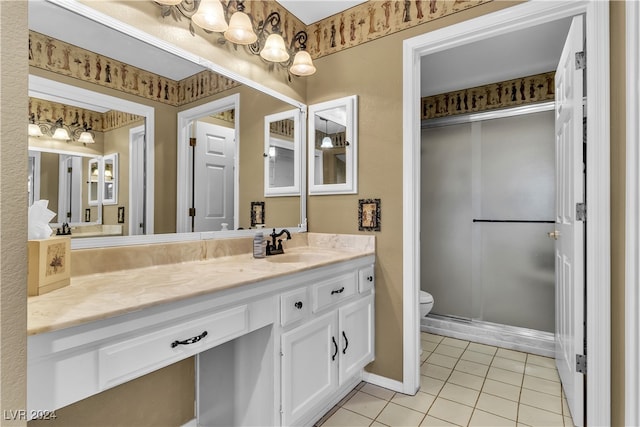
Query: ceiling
{"type": "Point", "coordinates": [517, 54]}
{"type": "Point", "coordinates": [311, 11]}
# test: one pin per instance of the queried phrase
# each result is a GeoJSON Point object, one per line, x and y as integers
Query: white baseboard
{"type": "Point", "coordinates": [381, 381]}
{"type": "Point", "coordinates": [513, 338]}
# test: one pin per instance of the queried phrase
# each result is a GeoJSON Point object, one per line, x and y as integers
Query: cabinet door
{"type": "Point", "coordinates": [356, 336]}
{"type": "Point", "coordinates": [309, 373]}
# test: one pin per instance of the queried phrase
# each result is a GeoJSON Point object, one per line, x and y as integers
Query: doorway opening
{"type": "Point", "coordinates": [597, 263]}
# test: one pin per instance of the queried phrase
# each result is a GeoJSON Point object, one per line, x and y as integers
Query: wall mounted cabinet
{"type": "Point", "coordinates": [333, 146]}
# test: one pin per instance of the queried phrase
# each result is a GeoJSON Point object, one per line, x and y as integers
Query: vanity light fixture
{"type": "Point", "coordinates": [269, 43]}
{"type": "Point", "coordinates": [60, 131]}
{"type": "Point", "coordinates": [240, 30]}
{"type": "Point", "coordinates": [326, 141]}
{"type": "Point", "coordinates": [210, 16]}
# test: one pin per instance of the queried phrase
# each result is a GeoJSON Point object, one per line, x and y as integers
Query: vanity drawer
{"type": "Point", "coordinates": [332, 291]}
{"type": "Point", "coordinates": [294, 306]}
{"type": "Point", "coordinates": [366, 279]}
{"type": "Point", "coordinates": [147, 352]}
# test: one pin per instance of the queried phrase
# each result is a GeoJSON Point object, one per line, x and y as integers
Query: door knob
{"type": "Point", "coordinates": [554, 234]}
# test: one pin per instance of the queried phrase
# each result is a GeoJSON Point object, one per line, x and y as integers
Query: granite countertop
{"type": "Point", "coordinates": [98, 296]}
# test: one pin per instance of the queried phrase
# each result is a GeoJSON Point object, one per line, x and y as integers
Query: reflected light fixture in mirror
{"type": "Point", "coordinates": [86, 138]}
{"type": "Point", "coordinates": [169, 2]}
{"type": "Point", "coordinates": [60, 132]}
{"type": "Point", "coordinates": [326, 141]}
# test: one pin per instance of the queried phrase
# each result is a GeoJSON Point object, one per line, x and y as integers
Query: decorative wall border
{"type": "Point", "coordinates": [41, 110]}
{"type": "Point", "coordinates": [375, 19]}
{"type": "Point", "coordinates": [508, 93]}
{"type": "Point", "coordinates": [69, 60]}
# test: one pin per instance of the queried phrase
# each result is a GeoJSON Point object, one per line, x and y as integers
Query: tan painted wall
{"type": "Point", "coordinates": [618, 170]}
{"type": "Point", "coordinates": [13, 208]}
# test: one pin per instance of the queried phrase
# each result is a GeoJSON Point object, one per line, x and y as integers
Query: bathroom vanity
{"type": "Point", "coordinates": [277, 341]}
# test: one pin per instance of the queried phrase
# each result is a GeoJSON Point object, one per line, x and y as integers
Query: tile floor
{"type": "Point", "coordinates": [463, 384]}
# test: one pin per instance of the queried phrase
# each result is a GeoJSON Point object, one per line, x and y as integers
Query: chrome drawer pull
{"type": "Point", "coordinates": [190, 340]}
{"type": "Point", "coordinates": [339, 291]}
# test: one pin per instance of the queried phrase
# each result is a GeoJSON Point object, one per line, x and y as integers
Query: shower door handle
{"type": "Point", "coordinates": [554, 234]}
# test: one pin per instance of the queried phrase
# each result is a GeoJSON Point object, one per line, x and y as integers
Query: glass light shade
{"type": "Point", "coordinates": [326, 142]}
{"type": "Point", "coordinates": [210, 16]}
{"type": "Point", "coordinates": [302, 64]}
{"type": "Point", "coordinates": [86, 138]}
{"type": "Point", "coordinates": [108, 176]}
{"type": "Point", "coordinates": [240, 30]}
{"type": "Point", "coordinates": [274, 49]}
{"type": "Point", "coordinates": [169, 2]}
{"type": "Point", "coordinates": [34, 130]}
{"type": "Point", "coordinates": [62, 134]}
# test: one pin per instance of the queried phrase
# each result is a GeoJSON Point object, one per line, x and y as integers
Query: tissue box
{"type": "Point", "coordinates": [49, 264]}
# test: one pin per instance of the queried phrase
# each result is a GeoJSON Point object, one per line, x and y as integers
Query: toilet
{"type": "Point", "coordinates": [426, 303]}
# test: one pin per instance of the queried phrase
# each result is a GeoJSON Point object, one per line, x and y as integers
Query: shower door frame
{"type": "Point", "coordinates": [598, 268]}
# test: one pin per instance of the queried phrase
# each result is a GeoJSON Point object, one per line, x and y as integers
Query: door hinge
{"type": "Point", "coordinates": [581, 61]}
{"type": "Point", "coordinates": [581, 212]}
{"type": "Point", "coordinates": [581, 363]}
{"type": "Point", "coordinates": [192, 211]}
{"type": "Point", "coordinates": [69, 169]}
{"type": "Point", "coordinates": [192, 142]}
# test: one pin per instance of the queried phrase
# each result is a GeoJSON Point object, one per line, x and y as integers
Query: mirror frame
{"type": "Point", "coordinates": [298, 148]}
{"type": "Point", "coordinates": [351, 149]}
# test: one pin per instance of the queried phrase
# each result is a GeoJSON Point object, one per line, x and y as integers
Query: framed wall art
{"type": "Point", "coordinates": [257, 213]}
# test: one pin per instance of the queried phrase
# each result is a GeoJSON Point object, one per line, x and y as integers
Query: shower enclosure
{"type": "Point", "coordinates": [488, 194]}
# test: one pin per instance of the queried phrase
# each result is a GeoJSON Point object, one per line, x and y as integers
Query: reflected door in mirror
{"type": "Point", "coordinates": [282, 154]}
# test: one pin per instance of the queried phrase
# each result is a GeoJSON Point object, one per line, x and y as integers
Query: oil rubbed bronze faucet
{"type": "Point", "coordinates": [272, 249]}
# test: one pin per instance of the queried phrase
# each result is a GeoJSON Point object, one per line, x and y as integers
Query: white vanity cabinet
{"type": "Point", "coordinates": [324, 356]}
{"type": "Point", "coordinates": [276, 351]}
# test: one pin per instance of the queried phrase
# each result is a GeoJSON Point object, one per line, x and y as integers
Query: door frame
{"type": "Point", "coordinates": [632, 222]}
{"type": "Point", "coordinates": [183, 223]}
{"type": "Point", "coordinates": [597, 260]}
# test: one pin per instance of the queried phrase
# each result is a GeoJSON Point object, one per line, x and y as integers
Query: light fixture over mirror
{"type": "Point", "coordinates": [265, 39]}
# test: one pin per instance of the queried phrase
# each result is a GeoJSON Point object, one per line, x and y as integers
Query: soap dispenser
{"type": "Point", "coordinates": [258, 246]}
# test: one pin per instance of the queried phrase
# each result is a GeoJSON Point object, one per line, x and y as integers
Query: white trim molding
{"type": "Point", "coordinates": [598, 265]}
{"type": "Point", "coordinates": [632, 221]}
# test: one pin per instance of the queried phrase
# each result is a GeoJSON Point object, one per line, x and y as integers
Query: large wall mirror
{"type": "Point", "coordinates": [159, 161]}
{"type": "Point", "coordinates": [333, 146]}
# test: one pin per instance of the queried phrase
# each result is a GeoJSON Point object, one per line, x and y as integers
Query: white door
{"type": "Point", "coordinates": [137, 191]}
{"type": "Point", "coordinates": [355, 326]}
{"type": "Point", "coordinates": [309, 366]}
{"type": "Point", "coordinates": [214, 177]}
{"type": "Point", "coordinates": [569, 230]}
{"type": "Point", "coordinates": [70, 189]}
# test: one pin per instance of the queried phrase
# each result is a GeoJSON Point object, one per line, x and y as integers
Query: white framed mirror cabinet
{"type": "Point", "coordinates": [333, 147]}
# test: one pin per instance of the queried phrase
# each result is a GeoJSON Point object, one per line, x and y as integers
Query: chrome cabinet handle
{"type": "Point", "coordinates": [191, 340]}
{"type": "Point", "coordinates": [298, 305]}
{"type": "Point", "coordinates": [338, 291]}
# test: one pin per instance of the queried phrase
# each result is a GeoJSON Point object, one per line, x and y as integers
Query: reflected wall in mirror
{"type": "Point", "coordinates": [282, 154]}
{"type": "Point", "coordinates": [333, 146]}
